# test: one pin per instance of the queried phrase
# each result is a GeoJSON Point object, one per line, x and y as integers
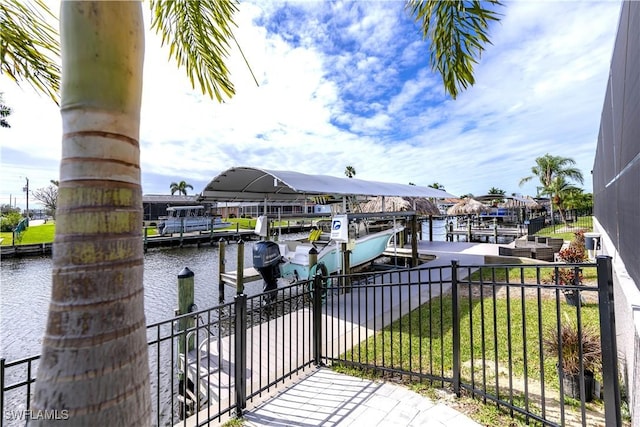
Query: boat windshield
{"type": "Point", "coordinates": [184, 212]}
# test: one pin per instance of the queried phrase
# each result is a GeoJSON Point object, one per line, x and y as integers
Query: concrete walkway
{"type": "Point", "coordinates": [328, 398]}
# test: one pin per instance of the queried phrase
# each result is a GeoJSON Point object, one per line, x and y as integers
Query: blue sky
{"type": "Point", "coordinates": [348, 83]}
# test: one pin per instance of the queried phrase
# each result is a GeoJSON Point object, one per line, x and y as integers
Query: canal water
{"type": "Point", "coordinates": [25, 288]}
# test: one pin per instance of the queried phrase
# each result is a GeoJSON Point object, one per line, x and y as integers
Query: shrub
{"type": "Point", "coordinates": [567, 276]}
{"type": "Point", "coordinates": [576, 251]}
{"type": "Point", "coordinates": [571, 341]}
{"type": "Point", "coordinates": [9, 221]}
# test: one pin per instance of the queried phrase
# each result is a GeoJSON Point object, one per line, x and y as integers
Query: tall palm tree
{"type": "Point", "coordinates": [94, 356]}
{"type": "Point", "coordinates": [548, 168]}
{"type": "Point", "coordinates": [559, 190]}
{"type": "Point", "coordinates": [180, 187]}
{"type": "Point", "coordinates": [350, 171]}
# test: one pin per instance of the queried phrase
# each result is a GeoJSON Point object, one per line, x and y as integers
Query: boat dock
{"type": "Point", "coordinates": [188, 239]}
{"type": "Point", "coordinates": [268, 364]}
{"type": "Point", "coordinates": [478, 234]}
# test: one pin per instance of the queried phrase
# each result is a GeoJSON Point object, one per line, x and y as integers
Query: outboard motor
{"type": "Point", "coordinates": [266, 259]}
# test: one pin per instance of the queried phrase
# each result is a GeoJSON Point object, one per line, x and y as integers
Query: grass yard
{"type": "Point", "coordinates": [44, 233]}
{"type": "Point", "coordinates": [505, 333]}
{"type": "Point", "coordinates": [32, 235]}
{"type": "Point", "coordinates": [584, 223]}
{"type": "Point", "coordinates": [488, 326]}
{"type": "Point", "coordinates": [526, 275]}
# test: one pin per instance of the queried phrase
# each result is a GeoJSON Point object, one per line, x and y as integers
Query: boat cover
{"type": "Point", "coordinates": [246, 184]}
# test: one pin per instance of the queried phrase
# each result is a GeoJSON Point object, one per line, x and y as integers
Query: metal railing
{"type": "Point", "coordinates": [481, 330]}
{"type": "Point", "coordinates": [496, 333]}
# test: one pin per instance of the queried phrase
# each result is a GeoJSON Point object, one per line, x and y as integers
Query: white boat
{"type": "Point", "coordinates": [187, 219]}
{"type": "Point", "coordinates": [290, 259]}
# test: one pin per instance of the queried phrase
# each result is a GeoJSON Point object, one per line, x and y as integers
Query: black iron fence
{"type": "Point", "coordinates": [570, 219]}
{"type": "Point", "coordinates": [497, 333]}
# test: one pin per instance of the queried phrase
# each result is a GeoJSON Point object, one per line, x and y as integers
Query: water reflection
{"type": "Point", "coordinates": [25, 288]}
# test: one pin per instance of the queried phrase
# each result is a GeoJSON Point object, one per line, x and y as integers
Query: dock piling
{"type": "Point", "coordinates": [185, 305]}
{"type": "Point", "coordinates": [240, 269]}
{"type": "Point", "coordinates": [221, 269]}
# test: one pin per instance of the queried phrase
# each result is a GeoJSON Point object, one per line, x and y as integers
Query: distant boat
{"type": "Point", "coordinates": [188, 219]}
{"type": "Point", "coordinates": [290, 259]}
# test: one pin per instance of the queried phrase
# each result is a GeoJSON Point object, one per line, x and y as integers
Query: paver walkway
{"type": "Point", "coordinates": [328, 398]}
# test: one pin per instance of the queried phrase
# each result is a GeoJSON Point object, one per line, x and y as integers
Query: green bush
{"type": "Point", "coordinates": [9, 221]}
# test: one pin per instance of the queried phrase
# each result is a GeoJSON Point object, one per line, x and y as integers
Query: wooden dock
{"type": "Point", "coordinates": [198, 238]}
{"type": "Point", "coordinates": [188, 239]}
{"type": "Point", "coordinates": [485, 234]}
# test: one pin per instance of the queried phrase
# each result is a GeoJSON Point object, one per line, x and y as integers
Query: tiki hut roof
{"type": "Point", "coordinates": [468, 206]}
{"type": "Point", "coordinates": [526, 202]}
{"type": "Point", "coordinates": [423, 205]}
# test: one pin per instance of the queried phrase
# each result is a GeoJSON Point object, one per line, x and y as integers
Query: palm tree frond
{"type": "Point", "coordinates": [30, 46]}
{"type": "Point", "coordinates": [198, 34]}
{"type": "Point", "coordinates": [458, 31]}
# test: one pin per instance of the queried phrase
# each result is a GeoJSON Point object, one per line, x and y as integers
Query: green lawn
{"type": "Point", "coordinates": [559, 230]}
{"type": "Point", "coordinates": [32, 235]}
{"type": "Point", "coordinates": [423, 340]}
{"type": "Point", "coordinates": [44, 233]}
{"type": "Point", "coordinates": [526, 275]}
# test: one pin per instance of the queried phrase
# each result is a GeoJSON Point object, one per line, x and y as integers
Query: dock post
{"type": "Point", "coordinates": [495, 230]}
{"type": "Point", "coordinates": [185, 305]}
{"type": "Point", "coordinates": [240, 269]}
{"type": "Point", "coordinates": [469, 229]}
{"type": "Point", "coordinates": [181, 230]}
{"type": "Point", "coordinates": [221, 270]}
{"type": "Point", "coordinates": [145, 239]}
{"type": "Point", "coordinates": [346, 267]}
{"type": "Point", "coordinates": [414, 240]}
{"type": "Point", "coordinates": [450, 232]}
{"type": "Point", "coordinates": [313, 257]}
{"type": "Point", "coordinates": [430, 228]}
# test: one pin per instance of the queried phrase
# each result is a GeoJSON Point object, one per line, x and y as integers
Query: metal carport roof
{"type": "Point", "coordinates": [245, 184]}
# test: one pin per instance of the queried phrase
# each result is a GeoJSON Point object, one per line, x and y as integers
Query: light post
{"type": "Point", "coordinates": [26, 190]}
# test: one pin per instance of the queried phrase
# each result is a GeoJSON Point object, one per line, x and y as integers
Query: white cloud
{"type": "Point", "coordinates": [348, 83]}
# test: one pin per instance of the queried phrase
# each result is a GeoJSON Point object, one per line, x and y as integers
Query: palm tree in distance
{"type": "Point", "coordinates": [436, 185]}
{"type": "Point", "coordinates": [94, 361]}
{"type": "Point", "coordinates": [559, 191]}
{"type": "Point", "coordinates": [496, 192]}
{"type": "Point", "coordinates": [180, 187]}
{"type": "Point", "coordinates": [547, 169]}
{"type": "Point", "coordinates": [350, 171]}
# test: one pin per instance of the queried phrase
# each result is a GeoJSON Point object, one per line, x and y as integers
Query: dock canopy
{"type": "Point", "coordinates": [245, 184]}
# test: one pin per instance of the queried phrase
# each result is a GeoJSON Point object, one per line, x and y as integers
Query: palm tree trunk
{"type": "Point", "coordinates": [94, 357]}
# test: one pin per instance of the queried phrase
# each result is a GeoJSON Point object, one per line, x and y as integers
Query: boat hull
{"type": "Point", "coordinates": [296, 264]}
